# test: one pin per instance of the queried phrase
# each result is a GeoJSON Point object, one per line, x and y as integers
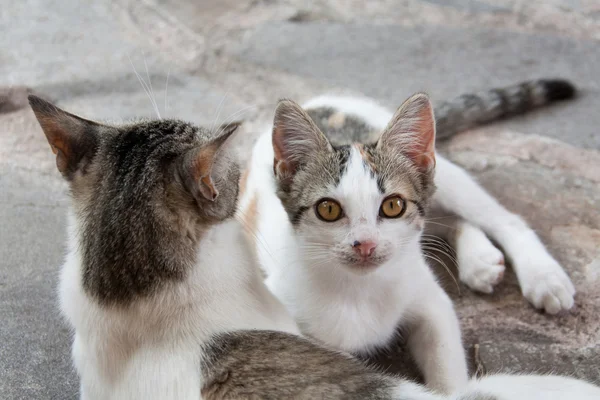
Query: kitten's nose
{"type": "Point", "coordinates": [364, 249]}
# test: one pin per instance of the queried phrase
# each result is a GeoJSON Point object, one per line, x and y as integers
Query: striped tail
{"type": "Point", "coordinates": [470, 110]}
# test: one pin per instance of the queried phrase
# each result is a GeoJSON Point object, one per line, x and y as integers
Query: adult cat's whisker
{"type": "Point", "coordinates": [145, 87]}
{"type": "Point", "coordinates": [153, 97]}
{"type": "Point", "coordinates": [232, 117]}
{"type": "Point", "coordinates": [167, 90]}
{"type": "Point", "coordinates": [218, 112]}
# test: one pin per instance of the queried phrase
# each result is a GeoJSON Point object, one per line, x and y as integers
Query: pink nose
{"type": "Point", "coordinates": [364, 249]}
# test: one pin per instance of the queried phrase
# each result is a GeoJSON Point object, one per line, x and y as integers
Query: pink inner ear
{"type": "Point", "coordinates": [208, 189]}
{"type": "Point", "coordinates": [200, 169]}
{"type": "Point", "coordinates": [280, 163]}
{"type": "Point", "coordinates": [426, 157]}
{"type": "Point", "coordinates": [411, 132]}
{"type": "Point", "coordinates": [278, 143]}
{"type": "Point", "coordinates": [423, 153]}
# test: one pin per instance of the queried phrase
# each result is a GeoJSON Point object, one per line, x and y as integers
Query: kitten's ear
{"type": "Point", "coordinates": [73, 139]}
{"type": "Point", "coordinates": [197, 167]}
{"type": "Point", "coordinates": [296, 138]}
{"type": "Point", "coordinates": [412, 132]}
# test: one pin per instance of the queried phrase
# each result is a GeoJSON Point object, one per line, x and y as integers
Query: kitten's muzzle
{"type": "Point", "coordinates": [364, 249]}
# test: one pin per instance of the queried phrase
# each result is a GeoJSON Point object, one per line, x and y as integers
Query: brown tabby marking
{"type": "Point", "coordinates": [336, 120]}
{"type": "Point", "coordinates": [240, 365]}
{"type": "Point", "coordinates": [366, 156]}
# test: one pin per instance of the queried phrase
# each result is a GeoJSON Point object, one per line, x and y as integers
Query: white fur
{"type": "Point", "coordinates": [360, 312]}
{"type": "Point", "coordinates": [356, 312]}
{"type": "Point", "coordinates": [543, 281]}
{"type": "Point", "coordinates": [508, 387]}
{"type": "Point", "coordinates": [151, 349]}
{"type": "Point", "coordinates": [481, 263]}
{"type": "Point", "coordinates": [531, 387]}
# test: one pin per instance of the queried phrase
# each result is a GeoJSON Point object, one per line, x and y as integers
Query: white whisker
{"type": "Point", "coordinates": [151, 89]}
{"type": "Point", "coordinates": [231, 118]}
{"type": "Point", "coordinates": [218, 112]}
{"type": "Point", "coordinates": [167, 89]}
{"type": "Point", "coordinates": [144, 86]}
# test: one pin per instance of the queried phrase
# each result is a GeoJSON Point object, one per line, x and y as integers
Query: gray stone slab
{"type": "Point", "coordinates": [391, 62]}
{"type": "Point", "coordinates": [84, 56]}
{"type": "Point", "coordinates": [34, 355]}
{"type": "Point", "coordinates": [473, 6]}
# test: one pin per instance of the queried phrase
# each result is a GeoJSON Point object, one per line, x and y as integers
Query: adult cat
{"type": "Point", "coordinates": [163, 294]}
{"type": "Point", "coordinates": [336, 198]}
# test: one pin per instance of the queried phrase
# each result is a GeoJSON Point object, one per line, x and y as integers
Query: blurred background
{"type": "Point", "coordinates": [217, 60]}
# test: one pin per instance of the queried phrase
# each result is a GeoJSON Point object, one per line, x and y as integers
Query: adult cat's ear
{"type": "Point", "coordinates": [196, 170]}
{"type": "Point", "coordinates": [412, 132]}
{"type": "Point", "coordinates": [228, 128]}
{"type": "Point", "coordinates": [296, 138]}
{"type": "Point", "coordinates": [73, 139]}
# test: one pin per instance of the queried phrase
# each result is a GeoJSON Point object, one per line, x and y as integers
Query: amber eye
{"type": "Point", "coordinates": [328, 210]}
{"type": "Point", "coordinates": [392, 207]}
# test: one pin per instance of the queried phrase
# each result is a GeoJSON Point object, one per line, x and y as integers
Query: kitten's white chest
{"type": "Point", "coordinates": [355, 318]}
{"type": "Point", "coordinates": [355, 326]}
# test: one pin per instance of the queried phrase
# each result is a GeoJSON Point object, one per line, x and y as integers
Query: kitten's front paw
{"type": "Point", "coordinates": [550, 289]}
{"type": "Point", "coordinates": [481, 268]}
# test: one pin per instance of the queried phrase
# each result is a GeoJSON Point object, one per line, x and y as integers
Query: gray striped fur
{"type": "Point", "coordinates": [470, 110]}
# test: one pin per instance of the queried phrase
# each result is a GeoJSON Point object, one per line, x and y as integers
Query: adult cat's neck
{"type": "Point", "coordinates": [222, 291]}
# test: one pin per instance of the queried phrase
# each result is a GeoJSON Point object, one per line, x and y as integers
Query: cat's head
{"type": "Point", "coordinates": [361, 203]}
{"type": "Point", "coordinates": [143, 196]}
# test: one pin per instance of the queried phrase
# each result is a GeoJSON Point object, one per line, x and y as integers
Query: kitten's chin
{"type": "Point", "coordinates": [362, 267]}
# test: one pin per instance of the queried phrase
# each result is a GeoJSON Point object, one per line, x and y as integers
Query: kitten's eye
{"type": "Point", "coordinates": [328, 210]}
{"type": "Point", "coordinates": [392, 207]}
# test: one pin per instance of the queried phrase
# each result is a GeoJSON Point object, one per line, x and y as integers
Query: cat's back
{"type": "Point", "coordinates": [238, 362]}
{"type": "Point", "coordinates": [348, 119]}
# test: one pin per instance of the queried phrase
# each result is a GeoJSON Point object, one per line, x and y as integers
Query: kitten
{"type": "Point", "coordinates": [163, 294]}
{"type": "Point", "coordinates": [336, 204]}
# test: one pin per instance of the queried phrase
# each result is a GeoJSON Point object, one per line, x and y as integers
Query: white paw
{"type": "Point", "coordinates": [481, 268]}
{"type": "Point", "coordinates": [549, 288]}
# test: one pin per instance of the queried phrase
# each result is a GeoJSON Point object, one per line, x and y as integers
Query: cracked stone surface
{"type": "Point", "coordinates": [231, 59]}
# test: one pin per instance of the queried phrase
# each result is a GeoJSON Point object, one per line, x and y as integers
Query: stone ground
{"type": "Point", "coordinates": [234, 59]}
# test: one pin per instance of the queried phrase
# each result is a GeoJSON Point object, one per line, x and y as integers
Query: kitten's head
{"type": "Point", "coordinates": [361, 203]}
{"type": "Point", "coordinates": [143, 195]}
